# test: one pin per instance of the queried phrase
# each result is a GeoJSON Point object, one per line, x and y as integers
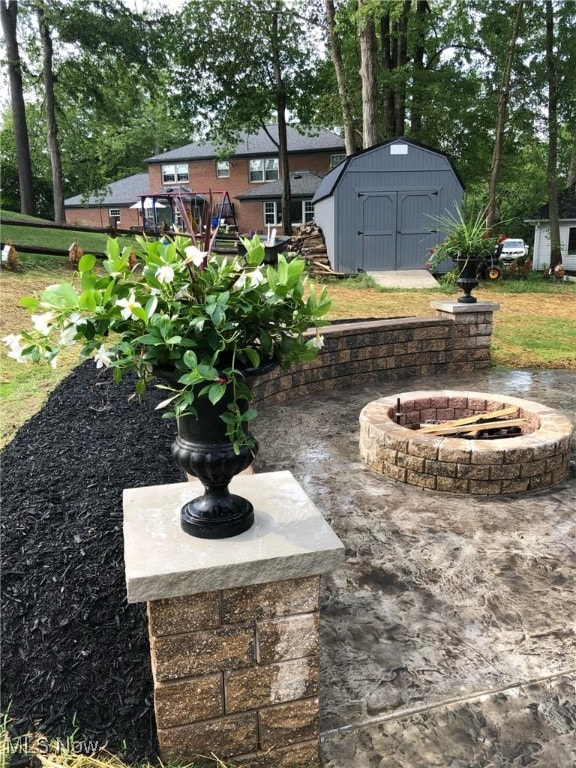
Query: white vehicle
{"type": "Point", "coordinates": [513, 248]}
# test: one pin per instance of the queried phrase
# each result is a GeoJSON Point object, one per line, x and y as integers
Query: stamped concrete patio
{"type": "Point", "coordinates": [449, 636]}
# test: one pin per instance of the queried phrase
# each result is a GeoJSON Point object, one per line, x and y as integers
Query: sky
{"type": "Point", "coordinates": [140, 5]}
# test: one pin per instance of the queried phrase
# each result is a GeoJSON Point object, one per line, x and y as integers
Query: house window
{"type": "Point", "coordinates": [172, 174]}
{"type": "Point", "coordinates": [263, 169]}
{"type": "Point", "coordinates": [336, 160]}
{"type": "Point", "coordinates": [301, 211]}
{"type": "Point", "coordinates": [271, 211]}
{"type": "Point", "coordinates": [222, 169]}
{"type": "Point", "coordinates": [114, 213]}
{"type": "Point", "coordinates": [572, 241]}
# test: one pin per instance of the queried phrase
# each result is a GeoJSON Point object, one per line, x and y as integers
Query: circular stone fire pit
{"type": "Point", "coordinates": [537, 458]}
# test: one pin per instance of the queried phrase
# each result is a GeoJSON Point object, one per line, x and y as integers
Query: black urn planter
{"type": "Point", "coordinates": [467, 278]}
{"type": "Point", "coordinates": [203, 449]}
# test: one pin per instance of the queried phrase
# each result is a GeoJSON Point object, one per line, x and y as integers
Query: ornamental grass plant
{"type": "Point", "coordinates": [467, 238]}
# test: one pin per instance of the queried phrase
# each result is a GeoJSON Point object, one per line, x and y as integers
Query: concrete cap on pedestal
{"type": "Point", "coordinates": [289, 539]}
{"type": "Point", "coordinates": [456, 307]}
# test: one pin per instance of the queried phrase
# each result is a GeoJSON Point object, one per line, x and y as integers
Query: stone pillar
{"type": "Point", "coordinates": [233, 623]}
{"type": "Point", "coordinates": [472, 334]}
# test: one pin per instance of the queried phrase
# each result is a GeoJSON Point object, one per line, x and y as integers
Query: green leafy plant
{"type": "Point", "coordinates": [195, 320]}
{"type": "Point", "coordinates": [467, 237]}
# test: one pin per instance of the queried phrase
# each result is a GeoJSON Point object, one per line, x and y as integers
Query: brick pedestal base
{"type": "Point", "coordinates": [234, 623]}
{"type": "Point", "coordinates": [237, 670]}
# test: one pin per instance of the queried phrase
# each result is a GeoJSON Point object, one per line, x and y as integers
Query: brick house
{"type": "Point", "coordinates": [118, 205]}
{"type": "Point", "coordinates": [249, 175]}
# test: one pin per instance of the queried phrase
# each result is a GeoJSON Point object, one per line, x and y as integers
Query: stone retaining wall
{"type": "Point", "coordinates": [457, 340]}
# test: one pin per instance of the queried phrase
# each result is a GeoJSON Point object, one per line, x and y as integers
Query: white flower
{"type": "Point", "coordinates": [195, 255]}
{"type": "Point", "coordinates": [68, 333]}
{"type": "Point", "coordinates": [165, 275]}
{"type": "Point", "coordinates": [101, 358]}
{"type": "Point", "coordinates": [249, 280]}
{"type": "Point", "coordinates": [317, 342]}
{"type": "Point", "coordinates": [257, 277]}
{"type": "Point", "coordinates": [42, 323]}
{"type": "Point", "coordinates": [13, 342]}
{"type": "Point", "coordinates": [182, 293]}
{"type": "Point", "coordinates": [240, 283]}
{"type": "Point", "coordinates": [129, 305]}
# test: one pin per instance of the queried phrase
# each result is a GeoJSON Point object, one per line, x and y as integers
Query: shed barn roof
{"type": "Point", "coordinates": [330, 181]}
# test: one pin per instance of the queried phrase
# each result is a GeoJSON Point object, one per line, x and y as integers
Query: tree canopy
{"type": "Point", "coordinates": [129, 85]}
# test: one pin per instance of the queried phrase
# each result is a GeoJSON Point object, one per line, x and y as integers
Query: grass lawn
{"type": "Point", "coordinates": [534, 328]}
{"type": "Point", "coordinates": [50, 238]}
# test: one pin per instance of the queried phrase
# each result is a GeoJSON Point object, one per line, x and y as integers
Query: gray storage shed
{"type": "Point", "coordinates": [374, 208]}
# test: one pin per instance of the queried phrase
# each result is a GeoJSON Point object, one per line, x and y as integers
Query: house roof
{"type": "Point", "coordinates": [122, 192]}
{"type": "Point", "coordinates": [303, 184]}
{"type": "Point", "coordinates": [330, 181]}
{"type": "Point", "coordinates": [566, 205]}
{"type": "Point", "coordinates": [257, 144]}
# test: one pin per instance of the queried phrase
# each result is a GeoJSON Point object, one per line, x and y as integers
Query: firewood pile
{"type": "Point", "coordinates": [491, 424]}
{"type": "Point", "coordinates": [309, 245]}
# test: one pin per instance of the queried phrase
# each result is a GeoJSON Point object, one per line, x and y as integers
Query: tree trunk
{"type": "Point", "coordinates": [418, 70]}
{"type": "Point", "coordinates": [9, 18]}
{"type": "Point", "coordinates": [336, 54]}
{"type": "Point", "coordinates": [571, 177]}
{"type": "Point", "coordinates": [388, 64]}
{"type": "Point", "coordinates": [401, 61]}
{"type": "Point", "coordinates": [501, 122]}
{"type": "Point", "coordinates": [51, 124]}
{"type": "Point", "coordinates": [282, 132]}
{"type": "Point", "coordinates": [368, 75]}
{"type": "Point", "coordinates": [555, 248]}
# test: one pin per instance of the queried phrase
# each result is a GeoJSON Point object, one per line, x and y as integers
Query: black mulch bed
{"type": "Point", "coordinates": [71, 645]}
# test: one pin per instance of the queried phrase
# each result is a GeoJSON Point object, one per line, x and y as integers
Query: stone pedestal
{"type": "Point", "coordinates": [470, 343]}
{"type": "Point", "coordinates": [234, 623]}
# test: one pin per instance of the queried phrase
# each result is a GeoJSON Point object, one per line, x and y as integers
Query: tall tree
{"type": "Point", "coordinates": [281, 106]}
{"type": "Point", "coordinates": [552, 175]}
{"type": "Point", "coordinates": [225, 91]}
{"type": "Point", "coordinates": [338, 62]}
{"type": "Point", "coordinates": [79, 39]}
{"type": "Point", "coordinates": [9, 19]}
{"type": "Point", "coordinates": [416, 104]}
{"type": "Point", "coordinates": [50, 111]}
{"type": "Point", "coordinates": [501, 122]}
{"type": "Point", "coordinates": [367, 36]}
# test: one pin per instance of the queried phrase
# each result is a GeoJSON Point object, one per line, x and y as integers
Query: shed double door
{"type": "Point", "coordinates": [396, 231]}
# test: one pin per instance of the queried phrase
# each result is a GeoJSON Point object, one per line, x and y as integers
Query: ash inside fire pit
{"type": "Point", "coordinates": [461, 442]}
